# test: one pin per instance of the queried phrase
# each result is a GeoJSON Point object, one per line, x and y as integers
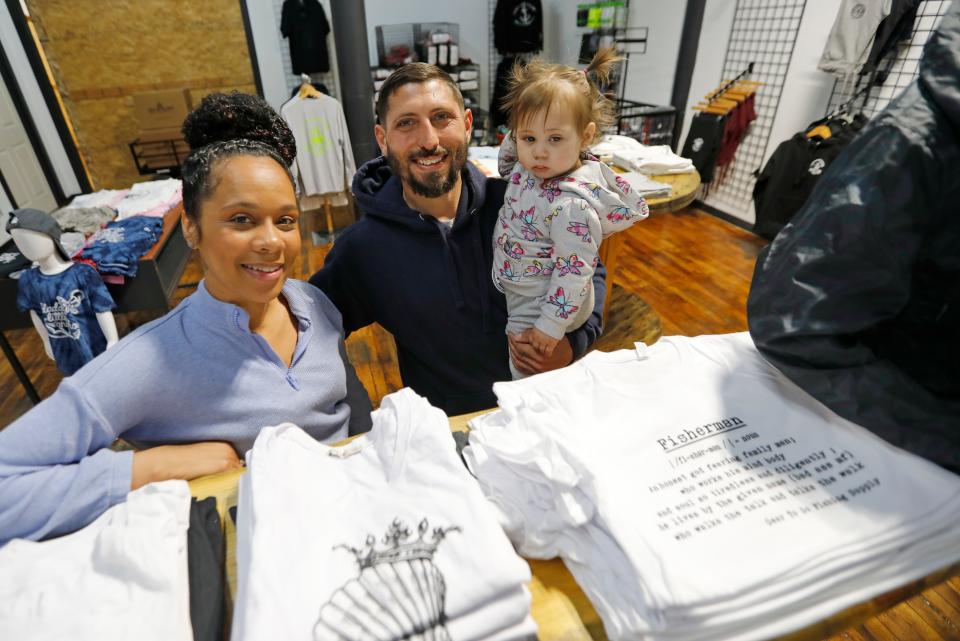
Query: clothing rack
{"type": "Point", "coordinates": [722, 90]}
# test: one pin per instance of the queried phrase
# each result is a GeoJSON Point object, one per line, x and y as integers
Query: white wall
{"type": "Point", "coordinates": [267, 41]}
{"type": "Point", "coordinates": [36, 105]}
{"type": "Point", "coordinates": [714, 33]}
{"type": "Point", "coordinates": [650, 76]}
{"type": "Point", "coordinates": [561, 37]}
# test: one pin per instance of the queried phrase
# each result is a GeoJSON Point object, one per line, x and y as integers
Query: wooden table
{"type": "Point", "coordinates": [561, 609]}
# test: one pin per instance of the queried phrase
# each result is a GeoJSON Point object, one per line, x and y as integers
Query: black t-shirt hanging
{"type": "Point", "coordinates": [703, 143]}
{"type": "Point", "coordinates": [518, 26]}
{"type": "Point", "coordinates": [305, 24]}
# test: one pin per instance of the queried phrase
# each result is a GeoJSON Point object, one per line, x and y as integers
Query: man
{"type": "Point", "coordinates": [858, 298]}
{"type": "Point", "coordinates": [419, 262]}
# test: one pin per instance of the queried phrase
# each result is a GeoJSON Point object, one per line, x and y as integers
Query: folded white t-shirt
{"type": "Point", "coordinates": [123, 576]}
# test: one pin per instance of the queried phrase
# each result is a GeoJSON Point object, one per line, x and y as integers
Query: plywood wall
{"type": "Point", "coordinates": [101, 53]}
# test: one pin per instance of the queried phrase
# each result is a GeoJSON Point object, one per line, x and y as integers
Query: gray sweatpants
{"type": "Point", "coordinates": [523, 311]}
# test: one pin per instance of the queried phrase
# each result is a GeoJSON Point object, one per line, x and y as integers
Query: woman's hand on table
{"type": "Point", "coordinates": [186, 462]}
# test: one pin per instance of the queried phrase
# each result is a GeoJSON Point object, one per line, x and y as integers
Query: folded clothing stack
{"type": "Point", "coordinates": [387, 537]}
{"type": "Point", "coordinates": [83, 220]}
{"type": "Point", "coordinates": [695, 493]}
{"type": "Point", "coordinates": [102, 198]}
{"type": "Point", "coordinates": [653, 160]}
{"type": "Point", "coordinates": [124, 576]}
{"type": "Point", "coordinates": [153, 198]}
{"type": "Point", "coordinates": [117, 248]}
{"type": "Point", "coordinates": [645, 186]}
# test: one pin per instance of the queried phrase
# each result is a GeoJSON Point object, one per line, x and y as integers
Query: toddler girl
{"type": "Point", "coordinates": [560, 201]}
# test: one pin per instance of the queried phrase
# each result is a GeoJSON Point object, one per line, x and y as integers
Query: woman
{"type": "Point", "coordinates": [250, 348]}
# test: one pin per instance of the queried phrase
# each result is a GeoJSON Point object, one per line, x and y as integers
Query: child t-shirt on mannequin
{"type": "Point", "coordinates": [68, 302]}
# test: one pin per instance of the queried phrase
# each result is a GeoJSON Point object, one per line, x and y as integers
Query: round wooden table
{"type": "Point", "coordinates": [627, 317]}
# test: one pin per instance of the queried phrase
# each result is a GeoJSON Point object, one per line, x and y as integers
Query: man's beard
{"type": "Point", "coordinates": [434, 184]}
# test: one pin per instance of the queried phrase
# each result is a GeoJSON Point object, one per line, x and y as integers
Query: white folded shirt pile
{"type": "Point", "coordinates": [658, 159]}
{"type": "Point", "coordinates": [101, 198]}
{"type": "Point", "coordinates": [152, 198]}
{"type": "Point", "coordinates": [387, 537]}
{"type": "Point", "coordinates": [696, 493]}
{"type": "Point", "coordinates": [645, 186]}
{"type": "Point", "coordinates": [124, 576]}
{"type": "Point", "coordinates": [630, 153]}
{"type": "Point", "coordinates": [611, 144]}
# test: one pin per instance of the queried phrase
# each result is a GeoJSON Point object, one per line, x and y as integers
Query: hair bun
{"type": "Point", "coordinates": [223, 117]}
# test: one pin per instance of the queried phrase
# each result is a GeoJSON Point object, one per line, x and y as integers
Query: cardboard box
{"type": "Point", "coordinates": [161, 109]}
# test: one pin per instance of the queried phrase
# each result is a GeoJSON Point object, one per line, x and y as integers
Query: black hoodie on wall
{"type": "Point", "coordinates": [518, 26]}
{"type": "Point", "coordinates": [305, 24]}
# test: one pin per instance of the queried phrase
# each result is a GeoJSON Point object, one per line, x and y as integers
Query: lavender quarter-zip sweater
{"type": "Point", "coordinates": [196, 374]}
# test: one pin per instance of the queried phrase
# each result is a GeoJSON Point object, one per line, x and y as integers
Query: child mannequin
{"type": "Point", "coordinates": [64, 293]}
{"type": "Point", "coordinates": [559, 201]}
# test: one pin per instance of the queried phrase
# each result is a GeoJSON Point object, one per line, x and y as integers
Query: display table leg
{"type": "Point", "coordinates": [18, 369]}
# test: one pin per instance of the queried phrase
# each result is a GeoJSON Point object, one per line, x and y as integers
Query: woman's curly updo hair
{"type": "Point", "coordinates": [227, 125]}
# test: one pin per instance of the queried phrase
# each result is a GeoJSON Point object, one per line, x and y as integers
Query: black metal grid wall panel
{"type": "Point", "coordinates": [328, 78]}
{"type": "Point", "coordinates": [869, 99]}
{"type": "Point", "coordinates": [764, 33]}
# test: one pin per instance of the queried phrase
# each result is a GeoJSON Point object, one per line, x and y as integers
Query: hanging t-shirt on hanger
{"type": "Point", "coordinates": [324, 155]}
{"type": "Point", "coordinates": [518, 26]}
{"type": "Point", "coordinates": [67, 304]}
{"type": "Point", "coordinates": [852, 35]}
{"type": "Point", "coordinates": [305, 24]}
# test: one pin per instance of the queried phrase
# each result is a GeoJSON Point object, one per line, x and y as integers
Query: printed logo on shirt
{"type": "Point", "coordinates": [57, 317]}
{"type": "Point", "coordinates": [524, 14]}
{"type": "Point", "coordinates": [7, 257]}
{"type": "Point", "coordinates": [816, 166]}
{"type": "Point", "coordinates": [398, 581]}
{"type": "Point", "coordinates": [697, 144]}
{"type": "Point", "coordinates": [318, 135]}
{"type": "Point", "coordinates": [107, 235]}
{"type": "Point", "coordinates": [857, 11]}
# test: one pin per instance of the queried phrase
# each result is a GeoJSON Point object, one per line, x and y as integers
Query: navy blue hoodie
{"type": "Point", "coordinates": [429, 285]}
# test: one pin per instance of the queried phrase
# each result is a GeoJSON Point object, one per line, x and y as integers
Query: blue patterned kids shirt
{"type": "Point", "coordinates": [67, 304]}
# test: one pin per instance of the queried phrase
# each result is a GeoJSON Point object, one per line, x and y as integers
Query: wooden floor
{"type": "Point", "coordinates": [692, 269]}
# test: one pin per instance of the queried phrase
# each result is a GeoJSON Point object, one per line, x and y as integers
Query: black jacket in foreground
{"type": "Point", "coordinates": [430, 286]}
{"type": "Point", "coordinates": [857, 300]}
